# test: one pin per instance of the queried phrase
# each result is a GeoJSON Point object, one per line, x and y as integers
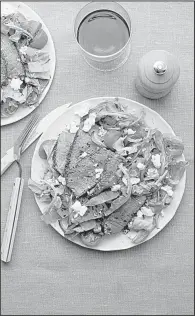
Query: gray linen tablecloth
{"type": "Point", "coordinates": [50, 275]}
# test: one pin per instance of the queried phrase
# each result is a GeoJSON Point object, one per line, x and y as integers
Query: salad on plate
{"type": "Point", "coordinates": [25, 63]}
{"type": "Point", "coordinates": [108, 173]}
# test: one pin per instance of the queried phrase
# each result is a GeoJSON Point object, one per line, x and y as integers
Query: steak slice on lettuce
{"type": "Point", "coordinates": [61, 151]}
{"type": "Point", "coordinates": [85, 159]}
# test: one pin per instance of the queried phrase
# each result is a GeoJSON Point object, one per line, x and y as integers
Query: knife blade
{"type": "Point", "coordinates": [42, 126]}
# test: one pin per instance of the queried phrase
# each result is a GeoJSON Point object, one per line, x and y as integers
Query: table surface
{"type": "Point", "coordinates": [49, 275]}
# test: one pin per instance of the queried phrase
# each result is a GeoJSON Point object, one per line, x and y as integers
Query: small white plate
{"type": "Point", "coordinates": [154, 120]}
{"type": "Point", "coordinates": [49, 47]}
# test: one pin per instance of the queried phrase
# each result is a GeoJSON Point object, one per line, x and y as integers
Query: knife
{"type": "Point", "coordinates": [42, 126]}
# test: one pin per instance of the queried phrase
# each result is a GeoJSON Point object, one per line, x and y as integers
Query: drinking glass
{"type": "Point", "coordinates": [106, 62]}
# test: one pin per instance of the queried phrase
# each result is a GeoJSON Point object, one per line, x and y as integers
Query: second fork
{"type": "Point", "coordinates": [16, 197]}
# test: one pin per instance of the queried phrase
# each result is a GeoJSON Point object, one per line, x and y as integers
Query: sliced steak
{"type": "Point", "coordinates": [82, 178]}
{"type": "Point", "coordinates": [109, 177]}
{"type": "Point", "coordinates": [10, 53]}
{"type": "Point", "coordinates": [119, 219]}
{"type": "Point", "coordinates": [3, 71]}
{"type": "Point", "coordinates": [93, 212]}
{"type": "Point", "coordinates": [61, 151]}
{"type": "Point", "coordinates": [80, 172]}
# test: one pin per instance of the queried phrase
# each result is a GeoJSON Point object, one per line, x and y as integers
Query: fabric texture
{"type": "Point", "coordinates": [49, 275]}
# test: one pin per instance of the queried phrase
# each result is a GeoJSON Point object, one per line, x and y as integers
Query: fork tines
{"type": "Point", "coordinates": [27, 130]}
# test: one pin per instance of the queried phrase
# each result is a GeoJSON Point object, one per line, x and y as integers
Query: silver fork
{"type": "Point", "coordinates": [16, 197]}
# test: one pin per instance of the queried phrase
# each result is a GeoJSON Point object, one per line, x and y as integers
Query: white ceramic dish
{"type": "Point", "coordinates": [49, 47]}
{"type": "Point", "coordinates": [153, 119]}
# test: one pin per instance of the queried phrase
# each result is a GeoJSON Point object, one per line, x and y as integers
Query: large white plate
{"type": "Point", "coordinates": [49, 47]}
{"type": "Point", "coordinates": [154, 120]}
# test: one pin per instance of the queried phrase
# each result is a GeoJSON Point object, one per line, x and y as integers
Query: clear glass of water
{"type": "Point", "coordinates": [103, 32]}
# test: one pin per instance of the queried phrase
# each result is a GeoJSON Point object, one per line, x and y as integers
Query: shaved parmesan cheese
{"type": "Point", "coordinates": [135, 180]}
{"type": "Point", "coordinates": [168, 189]}
{"type": "Point", "coordinates": [98, 172]}
{"type": "Point", "coordinates": [102, 131]}
{"type": "Point", "coordinates": [152, 173]}
{"type": "Point", "coordinates": [23, 50]}
{"type": "Point", "coordinates": [139, 214]}
{"type": "Point", "coordinates": [89, 122]}
{"type": "Point", "coordinates": [79, 209]}
{"type": "Point", "coordinates": [116, 187]}
{"type": "Point", "coordinates": [62, 180]}
{"type": "Point", "coordinates": [15, 83]}
{"type": "Point", "coordinates": [130, 131]}
{"type": "Point", "coordinates": [156, 161]}
{"type": "Point", "coordinates": [140, 166]}
{"type": "Point", "coordinates": [146, 211]}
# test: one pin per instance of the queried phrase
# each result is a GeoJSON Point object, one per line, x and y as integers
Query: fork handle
{"type": "Point", "coordinates": [7, 160]}
{"type": "Point", "coordinates": [12, 219]}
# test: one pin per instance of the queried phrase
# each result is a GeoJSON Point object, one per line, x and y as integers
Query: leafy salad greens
{"type": "Point", "coordinates": [25, 66]}
{"type": "Point", "coordinates": [108, 172]}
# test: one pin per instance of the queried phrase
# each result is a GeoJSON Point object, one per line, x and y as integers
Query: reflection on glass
{"type": "Point", "coordinates": [103, 33]}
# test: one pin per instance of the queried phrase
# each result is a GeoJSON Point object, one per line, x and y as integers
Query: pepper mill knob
{"type": "Point", "coordinates": [160, 67]}
{"type": "Point", "coordinates": [157, 73]}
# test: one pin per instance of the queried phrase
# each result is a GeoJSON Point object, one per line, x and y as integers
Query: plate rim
{"type": "Point", "coordinates": [7, 120]}
{"type": "Point", "coordinates": [182, 181]}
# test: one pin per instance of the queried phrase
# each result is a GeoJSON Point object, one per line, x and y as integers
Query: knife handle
{"type": "Point", "coordinates": [7, 160]}
{"type": "Point", "coordinates": [12, 220]}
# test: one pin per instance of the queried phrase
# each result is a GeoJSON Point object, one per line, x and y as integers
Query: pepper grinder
{"type": "Point", "coordinates": [157, 72]}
